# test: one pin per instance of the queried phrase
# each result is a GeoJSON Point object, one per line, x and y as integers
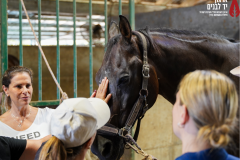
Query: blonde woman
{"type": "Point", "coordinates": [204, 115]}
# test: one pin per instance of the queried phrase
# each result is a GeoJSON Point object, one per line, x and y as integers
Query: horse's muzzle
{"type": "Point", "coordinates": [109, 148]}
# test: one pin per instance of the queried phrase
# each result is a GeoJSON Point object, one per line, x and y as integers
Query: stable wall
{"type": "Point", "coordinates": [30, 59]}
{"type": "Point", "coordinates": [188, 18]}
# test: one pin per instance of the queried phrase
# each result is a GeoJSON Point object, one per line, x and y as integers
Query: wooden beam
{"type": "Point", "coordinates": [54, 19]}
{"type": "Point", "coordinates": [188, 3]}
{"type": "Point", "coordinates": [163, 2]}
{"type": "Point", "coordinates": [43, 25]}
{"type": "Point", "coordinates": [66, 8]}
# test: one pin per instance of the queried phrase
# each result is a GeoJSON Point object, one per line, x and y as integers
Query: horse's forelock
{"type": "Point", "coordinates": [113, 41]}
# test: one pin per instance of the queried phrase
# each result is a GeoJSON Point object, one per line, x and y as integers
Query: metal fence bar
{"type": "Point", "coordinates": [20, 35]}
{"type": "Point", "coordinates": [58, 47]}
{"type": "Point", "coordinates": [132, 14]}
{"type": "Point", "coordinates": [4, 47]}
{"type": "Point", "coordinates": [132, 23]}
{"type": "Point", "coordinates": [39, 54]}
{"type": "Point", "coordinates": [74, 51]}
{"type": "Point", "coordinates": [120, 7]}
{"type": "Point", "coordinates": [45, 103]}
{"type": "Point", "coordinates": [106, 22]}
{"type": "Point", "coordinates": [90, 49]}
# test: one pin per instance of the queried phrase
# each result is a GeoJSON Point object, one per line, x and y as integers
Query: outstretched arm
{"type": "Point", "coordinates": [32, 148]}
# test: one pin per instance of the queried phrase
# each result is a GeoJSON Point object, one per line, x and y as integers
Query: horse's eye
{"type": "Point", "coordinates": [123, 80]}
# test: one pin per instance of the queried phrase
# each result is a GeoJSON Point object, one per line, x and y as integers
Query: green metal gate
{"type": "Point", "coordinates": [4, 45]}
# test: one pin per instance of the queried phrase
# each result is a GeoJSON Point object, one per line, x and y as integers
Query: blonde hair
{"type": "Point", "coordinates": [212, 101]}
{"type": "Point", "coordinates": [54, 149]}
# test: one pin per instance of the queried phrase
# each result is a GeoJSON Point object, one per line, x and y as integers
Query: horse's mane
{"type": "Point", "coordinates": [186, 35]}
{"type": "Point", "coordinates": [183, 36]}
{"type": "Point", "coordinates": [177, 34]}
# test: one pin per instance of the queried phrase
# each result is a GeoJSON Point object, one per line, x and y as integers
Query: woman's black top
{"type": "Point", "coordinates": [11, 149]}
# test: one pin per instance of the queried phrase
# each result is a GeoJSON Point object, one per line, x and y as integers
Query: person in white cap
{"type": "Point", "coordinates": [74, 124]}
{"type": "Point", "coordinates": [236, 71]}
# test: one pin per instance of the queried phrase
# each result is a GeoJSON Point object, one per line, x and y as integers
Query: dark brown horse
{"type": "Point", "coordinates": [171, 55]}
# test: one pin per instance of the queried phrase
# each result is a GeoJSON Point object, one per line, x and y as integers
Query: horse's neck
{"type": "Point", "coordinates": [173, 58]}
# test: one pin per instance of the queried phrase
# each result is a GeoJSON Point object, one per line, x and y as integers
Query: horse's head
{"type": "Point", "coordinates": [122, 65]}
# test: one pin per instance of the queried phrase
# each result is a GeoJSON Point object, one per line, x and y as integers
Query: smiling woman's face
{"type": "Point", "coordinates": [20, 90]}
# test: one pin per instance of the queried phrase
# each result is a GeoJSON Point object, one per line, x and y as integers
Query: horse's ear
{"type": "Point", "coordinates": [113, 30]}
{"type": "Point", "coordinates": [125, 28]}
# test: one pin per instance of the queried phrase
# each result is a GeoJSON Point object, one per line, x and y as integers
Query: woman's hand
{"type": "Point", "coordinates": [102, 91]}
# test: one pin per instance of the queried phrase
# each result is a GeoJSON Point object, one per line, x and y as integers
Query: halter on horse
{"type": "Point", "coordinates": [138, 110]}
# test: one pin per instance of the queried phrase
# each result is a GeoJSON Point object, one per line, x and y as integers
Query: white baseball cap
{"type": "Point", "coordinates": [76, 120]}
{"type": "Point", "coordinates": [236, 71]}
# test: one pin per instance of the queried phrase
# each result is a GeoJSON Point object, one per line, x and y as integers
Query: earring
{"type": "Point", "coordinates": [180, 125]}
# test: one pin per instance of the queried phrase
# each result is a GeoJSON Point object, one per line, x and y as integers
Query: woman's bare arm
{"type": "Point", "coordinates": [32, 148]}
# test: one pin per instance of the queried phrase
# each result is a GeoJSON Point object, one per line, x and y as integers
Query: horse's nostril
{"type": "Point", "coordinates": [107, 149]}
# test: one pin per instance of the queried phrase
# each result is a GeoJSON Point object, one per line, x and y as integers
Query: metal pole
{"type": "Point", "coordinates": [58, 48]}
{"type": "Point", "coordinates": [39, 54]}
{"type": "Point", "coordinates": [132, 23]}
{"type": "Point", "coordinates": [106, 22]}
{"type": "Point", "coordinates": [4, 46]}
{"type": "Point", "coordinates": [90, 48]}
{"type": "Point", "coordinates": [74, 51]}
{"type": "Point", "coordinates": [20, 35]}
{"type": "Point", "coordinates": [120, 7]}
{"type": "Point", "coordinates": [132, 14]}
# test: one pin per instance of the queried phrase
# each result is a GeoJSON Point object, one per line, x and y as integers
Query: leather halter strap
{"type": "Point", "coordinates": [141, 106]}
{"type": "Point", "coordinates": [145, 72]}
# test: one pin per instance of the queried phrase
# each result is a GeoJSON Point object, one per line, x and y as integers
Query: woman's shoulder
{"type": "Point", "coordinates": [230, 157]}
{"type": "Point", "coordinates": [4, 117]}
{"type": "Point", "coordinates": [208, 154]}
{"type": "Point", "coordinates": [45, 113]}
{"type": "Point", "coordinates": [46, 110]}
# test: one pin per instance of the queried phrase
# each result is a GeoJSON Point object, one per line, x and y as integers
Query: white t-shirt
{"type": "Point", "coordinates": [39, 128]}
